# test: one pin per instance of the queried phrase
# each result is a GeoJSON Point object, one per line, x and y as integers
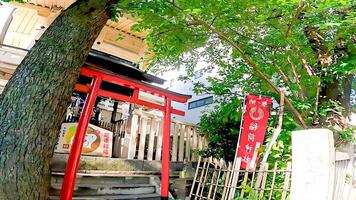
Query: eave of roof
{"type": "Point", "coordinates": [102, 70]}
{"type": "Point", "coordinates": [120, 66]}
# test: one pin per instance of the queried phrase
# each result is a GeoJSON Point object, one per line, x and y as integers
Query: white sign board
{"type": "Point", "coordinates": [313, 156]}
{"type": "Point", "coordinates": [97, 142]}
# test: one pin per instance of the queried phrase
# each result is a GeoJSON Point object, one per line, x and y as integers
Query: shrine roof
{"type": "Point", "coordinates": [114, 66]}
{"type": "Point", "coordinates": [121, 66]}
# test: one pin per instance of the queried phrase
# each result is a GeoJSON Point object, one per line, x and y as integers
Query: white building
{"type": "Point", "coordinates": [198, 103]}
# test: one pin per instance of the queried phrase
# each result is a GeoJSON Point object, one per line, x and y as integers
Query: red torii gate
{"type": "Point", "coordinates": [99, 75]}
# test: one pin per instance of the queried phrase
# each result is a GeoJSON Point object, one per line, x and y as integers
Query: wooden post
{"type": "Point", "coordinates": [133, 136]}
{"type": "Point", "coordinates": [195, 178]}
{"type": "Point", "coordinates": [202, 173]}
{"type": "Point", "coordinates": [205, 177]}
{"type": "Point", "coordinates": [286, 181]}
{"type": "Point", "coordinates": [215, 162]}
{"type": "Point", "coordinates": [175, 143]}
{"type": "Point", "coordinates": [194, 144]}
{"type": "Point", "coordinates": [264, 179]}
{"type": "Point", "coordinates": [200, 142]}
{"type": "Point", "coordinates": [187, 144]}
{"type": "Point", "coordinates": [244, 183]}
{"type": "Point", "coordinates": [235, 178]}
{"type": "Point", "coordinates": [253, 177]}
{"type": "Point", "coordinates": [227, 181]}
{"type": "Point", "coordinates": [273, 181]}
{"type": "Point", "coordinates": [151, 139]}
{"type": "Point", "coordinates": [141, 149]}
{"type": "Point", "coordinates": [159, 141]}
{"type": "Point", "coordinates": [181, 143]}
{"type": "Point", "coordinates": [218, 177]}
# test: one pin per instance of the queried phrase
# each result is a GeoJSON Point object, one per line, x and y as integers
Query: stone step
{"type": "Point", "coordinates": [58, 186]}
{"type": "Point", "coordinates": [108, 190]}
{"type": "Point", "coordinates": [106, 185]}
{"type": "Point", "coordinates": [154, 196]}
{"type": "Point", "coordinates": [114, 173]}
{"type": "Point", "coordinates": [112, 164]}
{"type": "Point", "coordinates": [97, 182]}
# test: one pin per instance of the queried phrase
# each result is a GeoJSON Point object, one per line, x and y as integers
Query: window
{"type": "Point", "coordinates": [200, 102]}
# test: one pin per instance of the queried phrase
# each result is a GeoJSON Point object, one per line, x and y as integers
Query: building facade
{"type": "Point", "coordinates": [199, 103]}
{"type": "Point", "coordinates": [22, 24]}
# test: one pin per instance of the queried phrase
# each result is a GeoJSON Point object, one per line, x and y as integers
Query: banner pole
{"type": "Point", "coordinates": [275, 135]}
{"type": "Point", "coordinates": [243, 110]}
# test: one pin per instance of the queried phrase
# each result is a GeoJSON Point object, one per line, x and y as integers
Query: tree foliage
{"type": "Point", "coordinates": [305, 49]}
{"type": "Point", "coordinates": [221, 127]}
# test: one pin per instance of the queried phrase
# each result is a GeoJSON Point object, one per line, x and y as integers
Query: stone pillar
{"type": "Point", "coordinates": [312, 164]}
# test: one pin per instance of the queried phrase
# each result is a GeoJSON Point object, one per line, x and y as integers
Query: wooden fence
{"type": "Point", "coordinates": [342, 165]}
{"type": "Point", "coordinates": [214, 180]}
{"type": "Point", "coordinates": [140, 137]}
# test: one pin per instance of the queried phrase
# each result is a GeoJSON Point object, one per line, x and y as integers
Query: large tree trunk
{"type": "Point", "coordinates": [33, 104]}
{"type": "Point", "coordinates": [331, 91]}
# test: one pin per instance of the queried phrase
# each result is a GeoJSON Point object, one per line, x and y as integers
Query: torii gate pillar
{"type": "Point", "coordinates": [166, 149]}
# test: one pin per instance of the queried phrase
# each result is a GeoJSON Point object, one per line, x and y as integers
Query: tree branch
{"type": "Point", "coordinates": [283, 75]}
{"type": "Point", "coordinates": [318, 89]}
{"type": "Point", "coordinates": [174, 29]}
{"type": "Point", "coordinates": [253, 39]}
{"type": "Point", "coordinates": [307, 67]}
{"type": "Point", "coordinates": [296, 78]}
{"type": "Point", "coordinates": [295, 17]}
{"type": "Point", "coordinates": [248, 60]}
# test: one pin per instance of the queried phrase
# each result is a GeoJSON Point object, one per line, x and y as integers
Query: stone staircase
{"type": "Point", "coordinates": [113, 186]}
{"type": "Point", "coordinates": [111, 178]}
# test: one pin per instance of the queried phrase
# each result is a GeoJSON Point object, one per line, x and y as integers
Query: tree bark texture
{"type": "Point", "coordinates": [338, 90]}
{"type": "Point", "coordinates": [33, 104]}
{"type": "Point", "coordinates": [346, 99]}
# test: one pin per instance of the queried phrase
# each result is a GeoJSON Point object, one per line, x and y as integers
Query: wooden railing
{"type": "Point", "coordinates": [186, 141]}
{"type": "Point", "coordinates": [343, 162]}
{"type": "Point", "coordinates": [140, 137]}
